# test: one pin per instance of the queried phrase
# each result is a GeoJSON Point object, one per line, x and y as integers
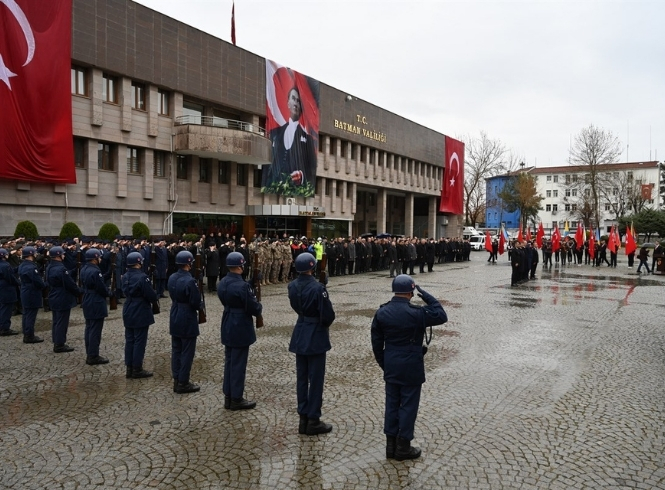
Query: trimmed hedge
{"type": "Point", "coordinates": [108, 231]}
{"type": "Point", "coordinates": [70, 230]}
{"type": "Point", "coordinates": [26, 229]}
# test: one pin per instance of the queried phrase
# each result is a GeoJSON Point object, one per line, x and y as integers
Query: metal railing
{"type": "Point", "coordinates": [219, 122]}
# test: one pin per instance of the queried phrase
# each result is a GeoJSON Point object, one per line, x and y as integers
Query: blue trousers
{"type": "Point", "coordinates": [401, 410]}
{"type": "Point", "coordinates": [93, 336]}
{"type": "Point", "coordinates": [310, 373]}
{"type": "Point", "coordinates": [235, 368]}
{"type": "Point", "coordinates": [182, 357]}
{"type": "Point", "coordinates": [60, 325]}
{"type": "Point", "coordinates": [161, 286]}
{"type": "Point", "coordinates": [6, 310]}
{"type": "Point", "coordinates": [135, 341]}
{"type": "Point", "coordinates": [28, 320]}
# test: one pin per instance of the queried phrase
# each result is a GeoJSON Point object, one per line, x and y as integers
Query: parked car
{"type": "Point", "coordinates": [477, 242]}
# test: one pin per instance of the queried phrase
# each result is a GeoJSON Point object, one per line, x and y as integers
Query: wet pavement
{"type": "Point", "coordinates": [557, 383]}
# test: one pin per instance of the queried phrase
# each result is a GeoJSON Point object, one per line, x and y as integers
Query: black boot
{"type": "Point", "coordinates": [128, 372]}
{"type": "Point", "coordinates": [8, 332]}
{"type": "Point", "coordinates": [175, 386]}
{"type": "Point", "coordinates": [94, 360]}
{"type": "Point", "coordinates": [404, 450]}
{"type": "Point", "coordinates": [138, 372]}
{"type": "Point", "coordinates": [302, 426]}
{"type": "Point", "coordinates": [391, 441]}
{"type": "Point", "coordinates": [242, 404]}
{"type": "Point", "coordinates": [32, 339]}
{"type": "Point", "coordinates": [315, 426]}
{"type": "Point", "coordinates": [188, 387]}
{"type": "Point", "coordinates": [227, 402]}
{"type": "Point", "coordinates": [58, 348]}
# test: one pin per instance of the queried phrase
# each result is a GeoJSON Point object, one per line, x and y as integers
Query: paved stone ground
{"type": "Point", "coordinates": [554, 384]}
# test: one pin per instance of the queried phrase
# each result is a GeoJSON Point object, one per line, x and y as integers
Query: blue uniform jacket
{"type": "Point", "coordinates": [185, 304]}
{"type": "Point", "coordinates": [137, 310]}
{"type": "Point", "coordinates": [8, 283]}
{"type": "Point", "coordinates": [240, 305]}
{"type": "Point", "coordinates": [32, 285]}
{"type": "Point", "coordinates": [161, 262]}
{"type": "Point", "coordinates": [309, 298]}
{"type": "Point", "coordinates": [64, 291]}
{"type": "Point", "coordinates": [95, 292]}
{"type": "Point", "coordinates": [398, 329]}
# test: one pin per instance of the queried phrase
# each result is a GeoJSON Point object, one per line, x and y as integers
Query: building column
{"type": "Point", "coordinates": [120, 160]}
{"type": "Point", "coordinates": [408, 214]}
{"type": "Point", "coordinates": [148, 173]}
{"type": "Point", "coordinates": [381, 205]}
{"type": "Point", "coordinates": [326, 152]}
{"type": "Point", "coordinates": [125, 102]}
{"type": "Point", "coordinates": [92, 167]}
{"type": "Point", "coordinates": [431, 218]}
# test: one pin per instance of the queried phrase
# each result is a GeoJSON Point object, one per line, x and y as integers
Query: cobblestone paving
{"type": "Point", "coordinates": [554, 384]}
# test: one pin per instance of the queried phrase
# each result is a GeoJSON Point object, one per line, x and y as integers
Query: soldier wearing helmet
{"type": "Point", "coordinates": [137, 315]}
{"type": "Point", "coordinates": [94, 305]}
{"type": "Point", "coordinates": [309, 342]}
{"type": "Point", "coordinates": [183, 322]}
{"type": "Point", "coordinates": [240, 305]}
{"type": "Point", "coordinates": [8, 294]}
{"type": "Point", "coordinates": [32, 286]}
{"type": "Point", "coordinates": [398, 331]}
{"type": "Point", "coordinates": [62, 296]}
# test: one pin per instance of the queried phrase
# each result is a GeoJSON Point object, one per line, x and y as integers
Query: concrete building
{"type": "Point", "coordinates": [168, 130]}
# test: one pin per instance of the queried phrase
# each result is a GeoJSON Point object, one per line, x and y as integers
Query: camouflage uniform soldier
{"type": "Point", "coordinates": [276, 262]}
{"type": "Point", "coordinates": [286, 261]}
{"type": "Point", "coordinates": [264, 261]}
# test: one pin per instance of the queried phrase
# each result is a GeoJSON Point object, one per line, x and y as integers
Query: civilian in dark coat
{"type": "Point", "coordinates": [212, 267]}
{"type": "Point", "coordinates": [8, 294]}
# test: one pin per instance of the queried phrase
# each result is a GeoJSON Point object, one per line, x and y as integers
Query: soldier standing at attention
{"type": "Point", "coordinates": [240, 305]}
{"type": "Point", "coordinates": [62, 297]}
{"type": "Point", "coordinates": [137, 315]}
{"type": "Point", "coordinates": [309, 342]}
{"type": "Point", "coordinates": [94, 306]}
{"type": "Point", "coordinates": [183, 322]}
{"type": "Point", "coordinates": [398, 330]}
{"type": "Point", "coordinates": [8, 296]}
{"type": "Point", "coordinates": [32, 286]}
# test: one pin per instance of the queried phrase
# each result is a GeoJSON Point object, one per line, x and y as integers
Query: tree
{"type": "Point", "coordinates": [108, 231]}
{"type": "Point", "coordinates": [26, 229]}
{"type": "Point", "coordinates": [594, 147]}
{"type": "Point", "coordinates": [484, 158]}
{"type": "Point", "coordinates": [648, 222]}
{"type": "Point", "coordinates": [520, 194]}
{"type": "Point", "coordinates": [140, 230]}
{"type": "Point", "coordinates": [70, 230]}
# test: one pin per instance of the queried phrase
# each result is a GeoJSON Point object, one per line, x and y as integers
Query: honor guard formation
{"type": "Point", "coordinates": [98, 275]}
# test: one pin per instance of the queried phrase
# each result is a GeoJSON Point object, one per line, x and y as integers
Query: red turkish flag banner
{"type": "Point", "coordinates": [452, 187]}
{"type": "Point", "coordinates": [488, 242]}
{"type": "Point", "coordinates": [36, 141]}
{"type": "Point", "coordinates": [528, 233]}
{"type": "Point", "coordinates": [556, 239]}
{"type": "Point", "coordinates": [592, 244]}
{"type": "Point", "coordinates": [579, 237]}
{"type": "Point", "coordinates": [502, 242]}
{"type": "Point", "coordinates": [631, 246]}
{"type": "Point", "coordinates": [520, 237]}
{"type": "Point", "coordinates": [540, 234]}
{"type": "Point", "coordinates": [646, 191]}
{"type": "Point", "coordinates": [611, 242]}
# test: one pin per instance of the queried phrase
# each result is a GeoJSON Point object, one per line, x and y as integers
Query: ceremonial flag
{"type": "Point", "coordinates": [579, 236]}
{"type": "Point", "coordinates": [556, 239]}
{"type": "Point", "coordinates": [502, 241]}
{"type": "Point", "coordinates": [36, 142]}
{"type": "Point", "coordinates": [528, 233]}
{"type": "Point", "coordinates": [452, 187]}
{"type": "Point", "coordinates": [539, 235]}
{"type": "Point", "coordinates": [631, 246]}
{"type": "Point", "coordinates": [617, 238]}
{"type": "Point", "coordinates": [592, 244]}
{"type": "Point", "coordinates": [566, 230]}
{"type": "Point", "coordinates": [519, 235]}
{"type": "Point", "coordinates": [233, 24]}
{"type": "Point", "coordinates": [597, 234]}
{"type": "Point", "coordinates": [611, 242]}
{"type": "Point", "coordinates": [488, 242]}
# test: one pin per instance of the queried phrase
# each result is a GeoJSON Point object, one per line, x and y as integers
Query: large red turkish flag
{"type": "Point", "coordinates": [36, 142]}
{"type": "Point", "coordinates": [452, 188]}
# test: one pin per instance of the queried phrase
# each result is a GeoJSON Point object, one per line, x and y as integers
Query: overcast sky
{"type": "Point", "coordinates": [531, 73]}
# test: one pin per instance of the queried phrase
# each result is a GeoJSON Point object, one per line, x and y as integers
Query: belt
{"type": "Point", "coordinates": [309, 318]}
{"type": "Point", "coordinates": [235, 310]}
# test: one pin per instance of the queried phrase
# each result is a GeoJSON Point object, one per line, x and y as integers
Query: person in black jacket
{"type": "Point", "coordinates": [212, 266]}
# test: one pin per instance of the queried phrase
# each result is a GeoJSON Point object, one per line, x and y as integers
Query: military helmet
{"type": "Point", "coordinates": [305, 262]}
{"type": "Point", "coordinates": [92, 254]}
{"type": "Point", "coordinates": [184, 258]}
{"type": "Point", "coordinates": [235, 259]}
{"type": "Point", "coordinates": [57, 252]}
{"type": "Point", "coordinates": [403, 284]}
{"type": "Point", "coordinates": [28, 251]}
{"type": "Point", "coordinates": [134, 258]}
{"type": "Point", "coordinates": [3, 253]}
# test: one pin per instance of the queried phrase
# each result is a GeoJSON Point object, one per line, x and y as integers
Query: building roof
{"type": "Point", "coordinates": [566, 169]}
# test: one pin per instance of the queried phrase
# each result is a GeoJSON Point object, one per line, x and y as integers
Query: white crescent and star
{"type": "Point", "coordinates": [6, 73]}
{"type": "Point", "coordinates": [454, 158]}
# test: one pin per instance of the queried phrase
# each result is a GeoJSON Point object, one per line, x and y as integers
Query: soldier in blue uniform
{"type": "Point", "coordinates": [94, 305]}
{"type": "Point", "coordinates": [310, 341]}
{"type": "Point", "coordinates": [183, 322]}
{"type": "Point", "coordinates": [137, 315]}
{"type": "Point", "coordinates": [240, 305]}
{"type": "Point", "coordinates": [62, 297]}
{"type": "Point", "coordinates": [32, 286]}
{"type": "Point", "coordinates": [161, 267]}
{"type": "Point", "coordinates": [8, 295]}
{"type": "Point", "coordinates": [398, 330]}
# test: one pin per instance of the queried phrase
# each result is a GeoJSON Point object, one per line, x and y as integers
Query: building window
{"type": "Point", "coordinates": [79, 152]}
{"type": "Point", "coordinates": [345, 148]}
{"type": "Point", "coordinates": [567, 179]}
{"type": "Point", "coordinates": [79, 81]}
{"type": "Point", "coordinates": [109, 89]}
{"type": "Point", "coordinates": [338, 189]}
{"type": "Point", "coordinates": [574, 178]}
{"type": "Point", "coordinates": [587, 192]}
{"type": "Point", "coordinates": [133, 163]}
{"type": "Point", "coordinates": [607, 206]}
{"type": "Point", "coordinates": [556, 179]}
{"type": "Point", "coordinates": [163, 103]}
{"type": "Point", "coordinates": [205, 164]}
{"type": "Point", "coordinates": [615, 191]}
{"type": "Point", "coordinates": [138, 96]}
{"type": "Point", "coordinates": [105, 156]}
{"type": "Point", "coordinates": [630, 176]}
{"type": "Point", "coordinates": [567, 192]}
{"type": "Point", "coordinates": [548, 193]}
{"type": "Point", "coordinates": [224, 173]}
{"type": "Point", "coordinates": [574, 192]}
{"type": "Point", "coordinates": [258, 176]}
{"type": "Point", "coordinates": [573, 207]}
{"type": "Point", "coordinates": [159, 164]}
{"type": "Point", "coordinates": [555, 224]}
{"type": "Point", "coordinates": [567, 207]}
{"type": "Point", "coordinates": [333, 146]}
{"type": "Point", "coordinates": [587, 178]}
{"type": "Point", "coordinates": [371, 199]}
{"type": "Point", "coordinates": [182, 167]}
{"type": "Point", "coordinates": [349, 188]}
{"type": "Point", "coordinates": [548, 207]}
{"type": "Point", "coordinates": [555, 193]}
{"type": "Point", "coordinates": [548, 179]}
{"type": "Point", "coordinates": [328, 189]}
{"type": "Point", "coordinates": [354, 151]}
{"type": "Point", "coordinates": [242, 175]}
{"type": "Point", "coordinates": [555, 207]}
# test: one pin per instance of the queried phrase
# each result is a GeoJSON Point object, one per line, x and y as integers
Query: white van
{"type": "Point", "coordinates": [477, 242]}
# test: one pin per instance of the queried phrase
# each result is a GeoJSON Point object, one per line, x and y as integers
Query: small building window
{"type": "Point", "coordinates": [182, 167]}
{"type": "Point", "coordinates": [549, 178]}
{"type": "Point", "coordinates": [567, 191]}
{"type": "Point", "coordinates": [574, 192]}
{"type": "Point", "coordinates": [138, 96]}
{"type": "Point", "coordinates": [567, 207]}
{"type": "Point", "coordinates": [607, 206]}
{"type": "Point", "coordinates": [556, 179]}
{"type": "Point", "coordinates": [159, 164]}
{"type": "Point", "coordinates": [110, 89]}
{"type": "Point", "coordinates": [79, 152]}
{"type": "Point", "coordinates": [133, 162]}
{"type": "Point", "coordinates": [105, 153]}
{"type": "Point", "coordinates": [224, 173]}
{"type": "Point", "coordinates": [548, 207]}
{"type": "Point", "coordinates": [205, 164]}
{"type": "Point", "coordinates": [242, 175]}
{"type": "Point", "coordinates": [258, 176]}
{"type": "Point", "coordinates": [328, 190]}
{"type": "Point", "coordinates": [548, 193]}
{"type": "Point", "coordinates": [163, 107]}
{"type": "Point", "coordinates": [555, 193]}
{"type": "Point", "coordinates": [338, 189]}
{"type": "Point", "coordinates": [573, 207]}
{"type": "Point", "coordinates": [555, 207]}
{"type": "Point", "coordinates": [79, 81]}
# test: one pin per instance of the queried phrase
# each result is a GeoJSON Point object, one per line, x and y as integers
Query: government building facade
{"type": "Point", "coordinates": [168, 130]}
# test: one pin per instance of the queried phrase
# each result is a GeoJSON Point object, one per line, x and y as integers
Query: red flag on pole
{"type": "Point", "coordinates": [520, 237]}
{"type": "Point", "coordinates": [488, 242]}
{"type": "Point", "coordinates": [452, 187]}
{"type": "Point", "coordinates": [233, 24]}
{"type": "Point", "coordinates": [539, 235]}
{"type": "Point", "coordinates": [35, 91]}
{"type": "Point", "coordinates": [611, 242]}
{"type": "Point", "coordinates": [592, 244]}
{"type": "Point", "coordinates": [631, 246]}
{"type": "Point", "coordinates": [528, 233]}
{"type": "Point", "coordinates": [579, 237]}
{"type": "Point", "coordinates": [502, 241]}
{"type": "Point", "coordinates": [556, 239]}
